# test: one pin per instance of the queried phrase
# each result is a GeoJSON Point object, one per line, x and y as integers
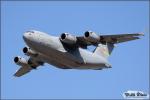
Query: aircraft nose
{"type": "Point", "coordinates": [27, 35]}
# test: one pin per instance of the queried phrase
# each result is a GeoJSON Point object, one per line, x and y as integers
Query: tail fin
{"type": "Point", "coordinates": [104, 49]}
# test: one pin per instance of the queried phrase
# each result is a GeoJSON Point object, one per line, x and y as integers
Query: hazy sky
{"type": "Point", "coordinates": [130, 61]}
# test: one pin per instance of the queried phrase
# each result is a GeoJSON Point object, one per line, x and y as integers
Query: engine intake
{"type": "Point", "coordinates": [20, 61]}
{"type": "Point", "coordinates": [29, 51]}
{"type": "Point", "coordinates": [91, 37]}
{"type": "Point", "coordinates": [68, 38]}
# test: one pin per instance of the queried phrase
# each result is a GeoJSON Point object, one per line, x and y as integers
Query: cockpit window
{"type": "Point", "coordinates": [30, 31]}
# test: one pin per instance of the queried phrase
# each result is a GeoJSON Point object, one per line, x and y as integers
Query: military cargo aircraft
{"type": "Point", "coordinates": [68, 51]}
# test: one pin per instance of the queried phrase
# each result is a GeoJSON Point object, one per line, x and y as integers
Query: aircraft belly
{"type": "Point", "coordinates": [89, 60]}
{"type": "Point", "coordinates": [54, 62]}
{"type": "Point", "coordinates": [84, 61]}
{"type": "Point", "coordinates": [55, 55]}
{"type": "Point", "coordinates": [53, 49]}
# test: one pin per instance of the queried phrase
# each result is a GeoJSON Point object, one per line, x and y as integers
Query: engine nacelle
{"type": "Point", "coordinates": [34, 63]}
{"type": "Point", "coordinates": [91, 37]}
{"type": "Point", "coordinates": [20, 61]}
{"type": "Point", "coordinates": [68, 38]}
{"type": "Point", "coordinates": [29, 51]}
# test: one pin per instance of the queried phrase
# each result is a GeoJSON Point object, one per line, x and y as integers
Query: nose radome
{"type": "Point", "coordinates": [25, 35]}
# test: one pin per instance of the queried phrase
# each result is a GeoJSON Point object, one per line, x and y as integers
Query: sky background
{"type": "Point", "coordinates": [130, 61]}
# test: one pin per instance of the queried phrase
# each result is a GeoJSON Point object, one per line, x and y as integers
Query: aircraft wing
{"type": "Point", "coordinates": [26, 68]}
{"type": "Point", "coordinates": [121, 37]}
{"type": "Point", "coordinates": [23, 70]}
{"type": "Point", "coordinates": [118, 38]}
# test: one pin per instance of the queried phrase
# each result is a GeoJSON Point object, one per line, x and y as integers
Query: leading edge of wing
{"type": "Point", "coordinates": [126, 34]}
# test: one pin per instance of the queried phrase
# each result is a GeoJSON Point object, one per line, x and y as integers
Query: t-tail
{"type": "Point", "coordinates": [104, 49]}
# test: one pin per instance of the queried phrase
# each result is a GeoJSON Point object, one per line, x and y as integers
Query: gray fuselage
{"type": "Point", "coordinates": [52, 51]}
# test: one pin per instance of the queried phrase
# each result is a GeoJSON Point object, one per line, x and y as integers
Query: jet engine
{"type": "Point", "coordinates": [34, 63]}
{"type": "Point", "coordinates": [68, 38]}
{"type": "Point", "coordinates": [20, 61]}
{"type": "Point", "coordinates": [29, 51]}
{"type": "Point", "coordinates": [91, 37]}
